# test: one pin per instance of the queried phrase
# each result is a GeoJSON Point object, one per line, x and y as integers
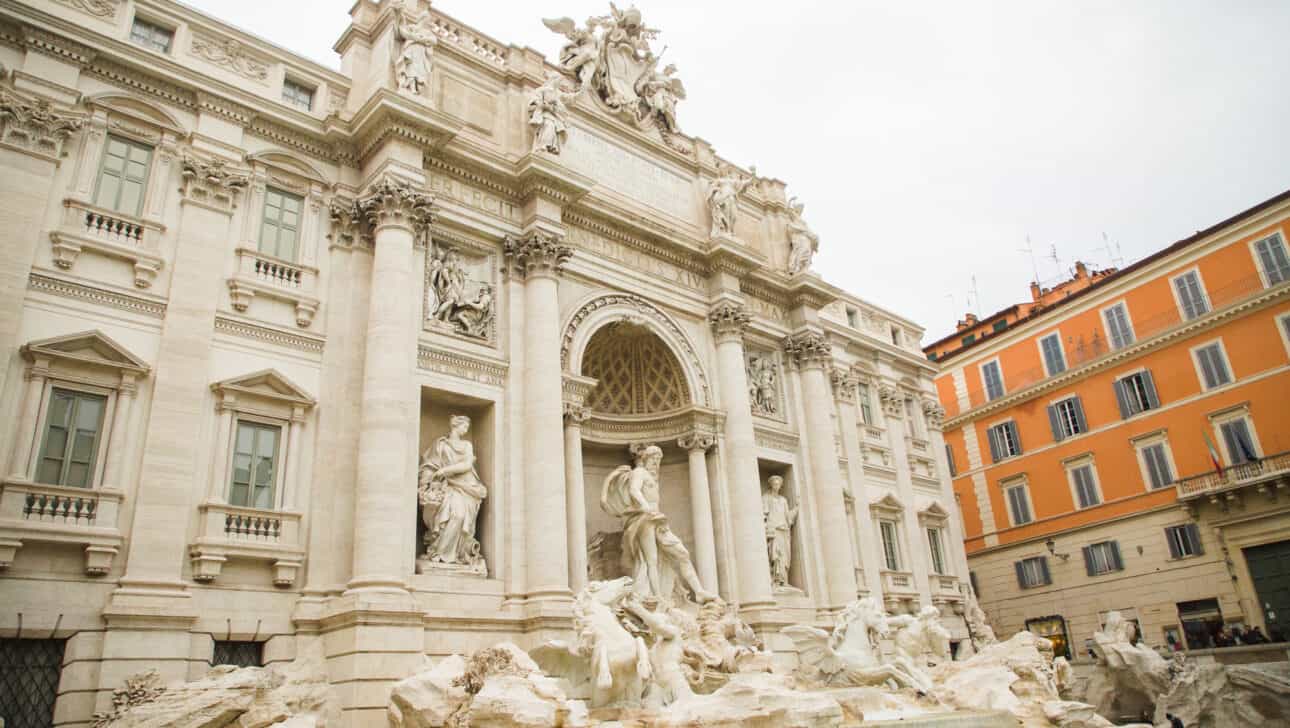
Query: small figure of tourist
{"type": "Point", "coordinates": [1255, 636]}
{"type": "Point", "coordinates": [1174, 721]}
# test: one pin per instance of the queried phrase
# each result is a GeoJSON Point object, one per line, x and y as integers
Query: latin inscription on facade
{"type": "Point", "coordinates": [445, 186]}
{"type": "Point", "coordinates": [627, 255]}
{"type": "Point", "coordinates": [629, 174]}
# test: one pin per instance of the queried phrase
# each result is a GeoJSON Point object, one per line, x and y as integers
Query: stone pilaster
{"type": "Point", "coordinates": [540, 258]}
{"type": "Point", "coordinates": [844, 387]}
{"type": "Point", "coordinates": [705, 549]}
{"type": "Point", "coordinates": [812, 354]}
{"type": "Point", "coordinates": [914, 548]}
{"type": "Point", "coordinates": [934, 416]}
{"type": "Point", "coordinates": [575, 493]}
{"type": "Point", "coordinates": [729, 320]}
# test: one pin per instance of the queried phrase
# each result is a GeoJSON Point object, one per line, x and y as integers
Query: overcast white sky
{"type": "Point", "coordinates": [928, 139]}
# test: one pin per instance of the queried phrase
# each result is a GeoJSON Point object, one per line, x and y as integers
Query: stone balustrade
{"type": "Point", "coordinates": [266, 275]}
{"type": "Point", "coordinates": [111, 234]}
{"type": "Point", "coordinates": [228, 531]}
{"type": "Point", "coordinates": [59, 514]}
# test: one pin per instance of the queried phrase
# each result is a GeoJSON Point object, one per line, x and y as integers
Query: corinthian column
{"type": "Point", "coordinates": [705, 549]}
{"type": "Point", "coordinates": [812, 354]}
{"type": "Point", "coordinates": [728, 321]}
{"type": "Point", "coordinates": [540, 259]}
{"type": "Point", "coordinates": [575, 493]}
{"type": "Point", "coordinates": [398, 215]}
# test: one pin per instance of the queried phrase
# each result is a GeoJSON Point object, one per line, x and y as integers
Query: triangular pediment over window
{"type": "Point", "coordinates": [934, 510]}
{"type": "Point", "coordinates": [888, 503]}
{"type": "Point", "coordinates": [87, 347]}
{"type": "Point", "coordinates": [269, 384]}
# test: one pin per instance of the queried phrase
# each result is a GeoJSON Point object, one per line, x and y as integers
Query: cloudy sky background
{"type": "Point", "coordinates": [929, 139]}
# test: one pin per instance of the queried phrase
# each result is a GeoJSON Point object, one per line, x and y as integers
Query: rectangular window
{"type": "Point", "coordinates": [993, 380]}
{"type": "Point", "coordinates": [1159, 474]}
{"type": "Point", "coordinates": [1086, 495]}
{"type": "Point", "coordinates": [1213, 366]}
{"type": "Point", "coordinates": [255, 461]}
{"type": "Point", "coordinates": [895, 336]}
{"type": "Point", "coordinates": [890, 548]}
{"type": "Point", "coordinates": [73, 424]}
{"type": "Point", "coordinates": [1183, 541]}
{"type": "Point", "coordinates": [934, 545]}
{"type": "Point", "coordinates": [866, 413]}
{"type": "Point", "coordinates": [1067, 418]}
{"type": "Point", "coordinates": [238, 652]}
{"type": "Point", "coordinates": [967, 340]}
{"type": "Point", "coordinates": [999, 325]}
{"type": "Point", "coordinates": [151, 35]}
{"type": "Point", "coordinates": [1019, 505]}
{"type": "Point", "coordinates": [911, 420]}
{"type": "Point", "coordinates": [949, 460]}
{"type": "Point", "coordinates": [1272, 259]}
{"type": "Point", "coordinates": [853, 318]}
{"type": "Point", "coordinates": [1119, 331]}
{"type": "Point", "coordinates": [281, 224]}
{"type": "Point", "coordinates": [1033, 572]}
{"type": "Point", "coordinates": [1054, 358]}
{"type": "Point", "coordinates": [1240, 445]}
{"type": "Point", "coordinates": [1005, 442]}
{"type": "Point", "coordinates": [123, 176]}
{"type": "Point", "coordinates": [1102, 558]}
{"type": "Point", "coordinates": [297, 94]}
{"type": "Point", "coordinates": [1136, 393]}
{"type": "Point", "coordinates": [1191, 297]}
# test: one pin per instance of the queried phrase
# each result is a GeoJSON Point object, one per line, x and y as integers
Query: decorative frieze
{"type": "Point", "coordinates": [808, 348]}
{"type": "Point", "coordinates": [230, 54]}
{"type": "Point", "coordinates": [775, 439]}
{"type": "Point", "coordinates": [211, 182]}
{"type": "Point", "coordinates": [484, 371]}
{"type": "Point", "coordinates": [35, 126]}
{"type": "Point", "coordinates": [393, 201]}
{"type": "Point", "coordinates": [729, 319]}
{"type": "Point", "coordinates": [536, 254]}
{"type": "Point", "coordinates": [268, 335]}
{"type": "Point", "coordinates": [69, 289]}
{"type": "Point", "coordinates": [105, 9]}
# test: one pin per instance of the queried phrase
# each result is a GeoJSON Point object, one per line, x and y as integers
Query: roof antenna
{"type": "Point", "coordinates": [1052, 254]}
{"type": "Point", "coordinates": [976, 295]}
{"type": "Point", "coordinates": [1112, 253]}
{"type": "Point", "coordinates": [1030, 251]}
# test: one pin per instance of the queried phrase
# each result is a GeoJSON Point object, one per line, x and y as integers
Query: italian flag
{"type": "Point", "coordinates": [1213, 453]}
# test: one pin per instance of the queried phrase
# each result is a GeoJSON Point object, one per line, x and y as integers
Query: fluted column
{"type": "Point", "coordinates": [540, 258]}
{"type": "Point", "coordinates": [398, 214]}
{"type": "Point", "coordinates": [291, 479]}
{"type": "Point", "coordinates": [811, 352]}
{"type": "Point", "coordinates": [119, 436]}
{"type": "Point", "coordinates": [20, 465]}
{"type": "Point", "coordinates": [844, 388]}
{"type": "Point", "coordinates": [575, 494]}
{"type": "Point", "coordinates": [728, 321]}
{"type": "Point", "coordinates": [705, 548]}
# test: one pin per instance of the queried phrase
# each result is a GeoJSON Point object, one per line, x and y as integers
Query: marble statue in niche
{"type": "Point", "coordinates": [450, 303]}
{"type": "Point", "coordinates": [416, 52]}
{"type": "Point", "coordinates": [763, 385]}
{"type": "Point", "coordinates": [723, 199]}
{"type": "Point", "coordinates": [802, 242]}
{"type": "Point", "coordinates": [779, 518]}
{"type": "Point", "coordinates": [654, 556]}
{"type": "Point", "coordinates": [549, 114]}
{"type": "Point", "coordinates": [450, 493]}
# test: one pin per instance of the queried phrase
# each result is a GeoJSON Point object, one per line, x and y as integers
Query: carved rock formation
{"type": "Point", "coordinates": [1210, 696]}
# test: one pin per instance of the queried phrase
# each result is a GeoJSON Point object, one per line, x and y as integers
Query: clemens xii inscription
{"type": "Point", "coordinates": [627, 174]}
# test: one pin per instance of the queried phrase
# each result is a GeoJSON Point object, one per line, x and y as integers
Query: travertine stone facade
{"type": "Point", "coordinates": [244, 295]}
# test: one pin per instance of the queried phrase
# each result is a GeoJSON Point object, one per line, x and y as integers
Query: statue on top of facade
{"type": "Point", "coordinates": [450, 493]}
{"type": "Point", "coordinates": [549, 114]}
{"type": "Point", "coordinates": [659, 93]}
{"type": "Point", "coordinates": [779, 518]}
{"type": "Point", "coordinates": [802, 242]}
{"type": "Point", "coordinates": [653, 555]}
{"type": "Point", "coordinates": [417, 43]}
{"type": "Point", "coordinates": [723, 198]}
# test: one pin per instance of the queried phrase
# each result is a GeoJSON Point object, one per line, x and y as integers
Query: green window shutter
{"type": "Point", "coordinates": [1149, 383]}
{"type": "Point", "coordinates": [1122, 399]}
{"type": "Point", "coordinates": [1117, 564]}
{"type": "Point", "coordinates": [1171, 538]}
{"type": "Point", "coordinates": [1043, 570]}
{"type": "Point", "coordinates": [1193, 535]}
{"type": "Point", "coordinates": [1080, 421]}
{"type": "Point", "coordinates": [1016, 435]}
{"type": "Point", "coordinates": [1088, 560]}
{"type": "Point", "coordinates": [992, 435]}
{"type": "Point", "coordinates": [1021, 573]}
{"type": "Point", "coordinates": [1054, 421]}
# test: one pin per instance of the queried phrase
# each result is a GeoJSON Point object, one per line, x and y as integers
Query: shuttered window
{"type": "Point", "coordinates": [1033, 572]}
{"type": "Point", "coordinates": [1102, 558]}
{"type": "Point", "coordinates": [1004, 441]}
{"type": "Point", "coordinates": [1119, 331]}
{"type": "Point", "coordinates": [1273, 259]}
{"type": "Point", "coordinates": [1213, 366]}
{"type": "Point", "coordinates": [1136, 393]}
{"type": "Point", "coordinates": [1054, 358]}
{"type": "Point", "coordinates": [73, 424]}
{"type": "Point", "coordinates": [890, 547]}
{"type": "Point", "coordinates": [1086, 495]}
{"type": "Point", "coordinates": [934, 546]}
{"type": "Point", "coordinates": [1240, 445]}
{"type": "Point", "coordinates": [1159, 473]}
{"type": "Point", "coordinates": [281, 225]}
{"type": "Point", "coordinates": [1067, 418]}
{"type": "Point", "coordinates": [1183, 541]}
{"type": "Point", "coordinates": [123, 176]}
{"type": "Point", "coordinates": [255, 459]}
{"type": "Point", "coordinates": [949, 460]}
{"type": "Point", "coordinates": [1019, 505]}
{"type": "Point", "coordinates": [1191, 297]}
{"type": "Point", "coordinates": [993, 380]}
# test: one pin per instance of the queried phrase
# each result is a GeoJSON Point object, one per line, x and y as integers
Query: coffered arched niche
{"type": "Point", "coordinates": [601, 310]}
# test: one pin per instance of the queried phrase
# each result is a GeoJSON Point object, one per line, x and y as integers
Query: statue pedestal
{"type": "Point", "coordinates": [426, 566]}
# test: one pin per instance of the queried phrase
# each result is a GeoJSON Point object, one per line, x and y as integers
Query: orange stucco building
{"type": "Point", "coordinates": [1123, 442]}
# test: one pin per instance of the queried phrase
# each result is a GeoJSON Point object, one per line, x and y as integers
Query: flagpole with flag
{"type": "Point", "coordinates": [1213, 453]}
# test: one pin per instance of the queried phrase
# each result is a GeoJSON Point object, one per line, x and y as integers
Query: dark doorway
{"type": "Point", "coordinates": [1269, 566]}
{"type": "Point", "coordinates": [29, 671]}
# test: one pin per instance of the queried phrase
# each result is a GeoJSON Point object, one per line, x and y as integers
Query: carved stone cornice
{"type": "Point", "coordinates": [726, 256]}
{"type": "Point", "coordinates": [893, 404]}
{"type": "Point", "coordinates": [729, 320]}
{"type": "Point", "coordinates": [228, 110]}
{"type": "Point", "coordinates": [51, 44]}
{"type": "Point", "coordinates": [934, 414]}
{"type": "Point", "coordinates": [808, 349]}
{"type": "Point", "coordinates": [35, 126]}
{"type": "Point", "coordinates": [211, 182]}
{"type": "Point", "coordinates": [697, 441]}
{"type": "Point", "coordinates": [576, 388]}
{"type": "Point", "coordinates": [396, 202]}
{"type": "Point", "coordinates": [844, 385]}
{"type": "Point", "coordinates": [539, 174]}
{"type": "Point", "coordinates": [536, 254]}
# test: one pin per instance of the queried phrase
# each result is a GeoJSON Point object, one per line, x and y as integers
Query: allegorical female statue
{"type": "Point", "coordinates": [779, 518]}
{"type": "Point", "coordinates": [723, 199]}
{"type": "Point", "coordinates": [450, 493]}
{"type": "Point", "coordinates": [549, 114]}
{"type": "Point", "coordinates": [418, 42]}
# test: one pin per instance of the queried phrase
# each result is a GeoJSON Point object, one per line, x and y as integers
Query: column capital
{"type": "Point", "coordinates": [575, 414]}
{"type": "Point", "coordinates": [892, 402]}
{"type": "Point", "coordinates": [701, 441]}
{"type": "Point", "coordinates": [396, 202]}
{"type": "Point", "coordinates": [536, 254]}
{"type": "Point", "coordinates": [934, 413]}
{"type": "Point", "coordinates": [36, 126]}
{"type": "Point", "coordinates": [729, 319]}
{"type": "Point", "coordinates": [808, 349]}
{"type": "Point", "coordinates": [211, 182]}
{"type": "Point", "coordinates": [844, 384]}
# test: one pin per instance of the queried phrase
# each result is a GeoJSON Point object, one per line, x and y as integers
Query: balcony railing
{"type": "Point", "coordinates": [1242, 475]}
{"type": "Point", "coordinates": [944, 588]}
{"type": "Point", "coordinates": [108, 233]}
{"type": "Point", "coordinates": [1088, 347]}
{"type": "Point", "coordinates": [265, 275]}
{"type": "Point", "coordinates": [229, 531]}
{"type": "Point", "coordinates": [898, 582]}
{"type": "Point", "coordinates": [59, 514]}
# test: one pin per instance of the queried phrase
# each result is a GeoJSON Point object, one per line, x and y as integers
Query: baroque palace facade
{"type": "Point", "coordinates": [293, 355]}
{"type": "Point", "coordinates": [1121, 442]}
